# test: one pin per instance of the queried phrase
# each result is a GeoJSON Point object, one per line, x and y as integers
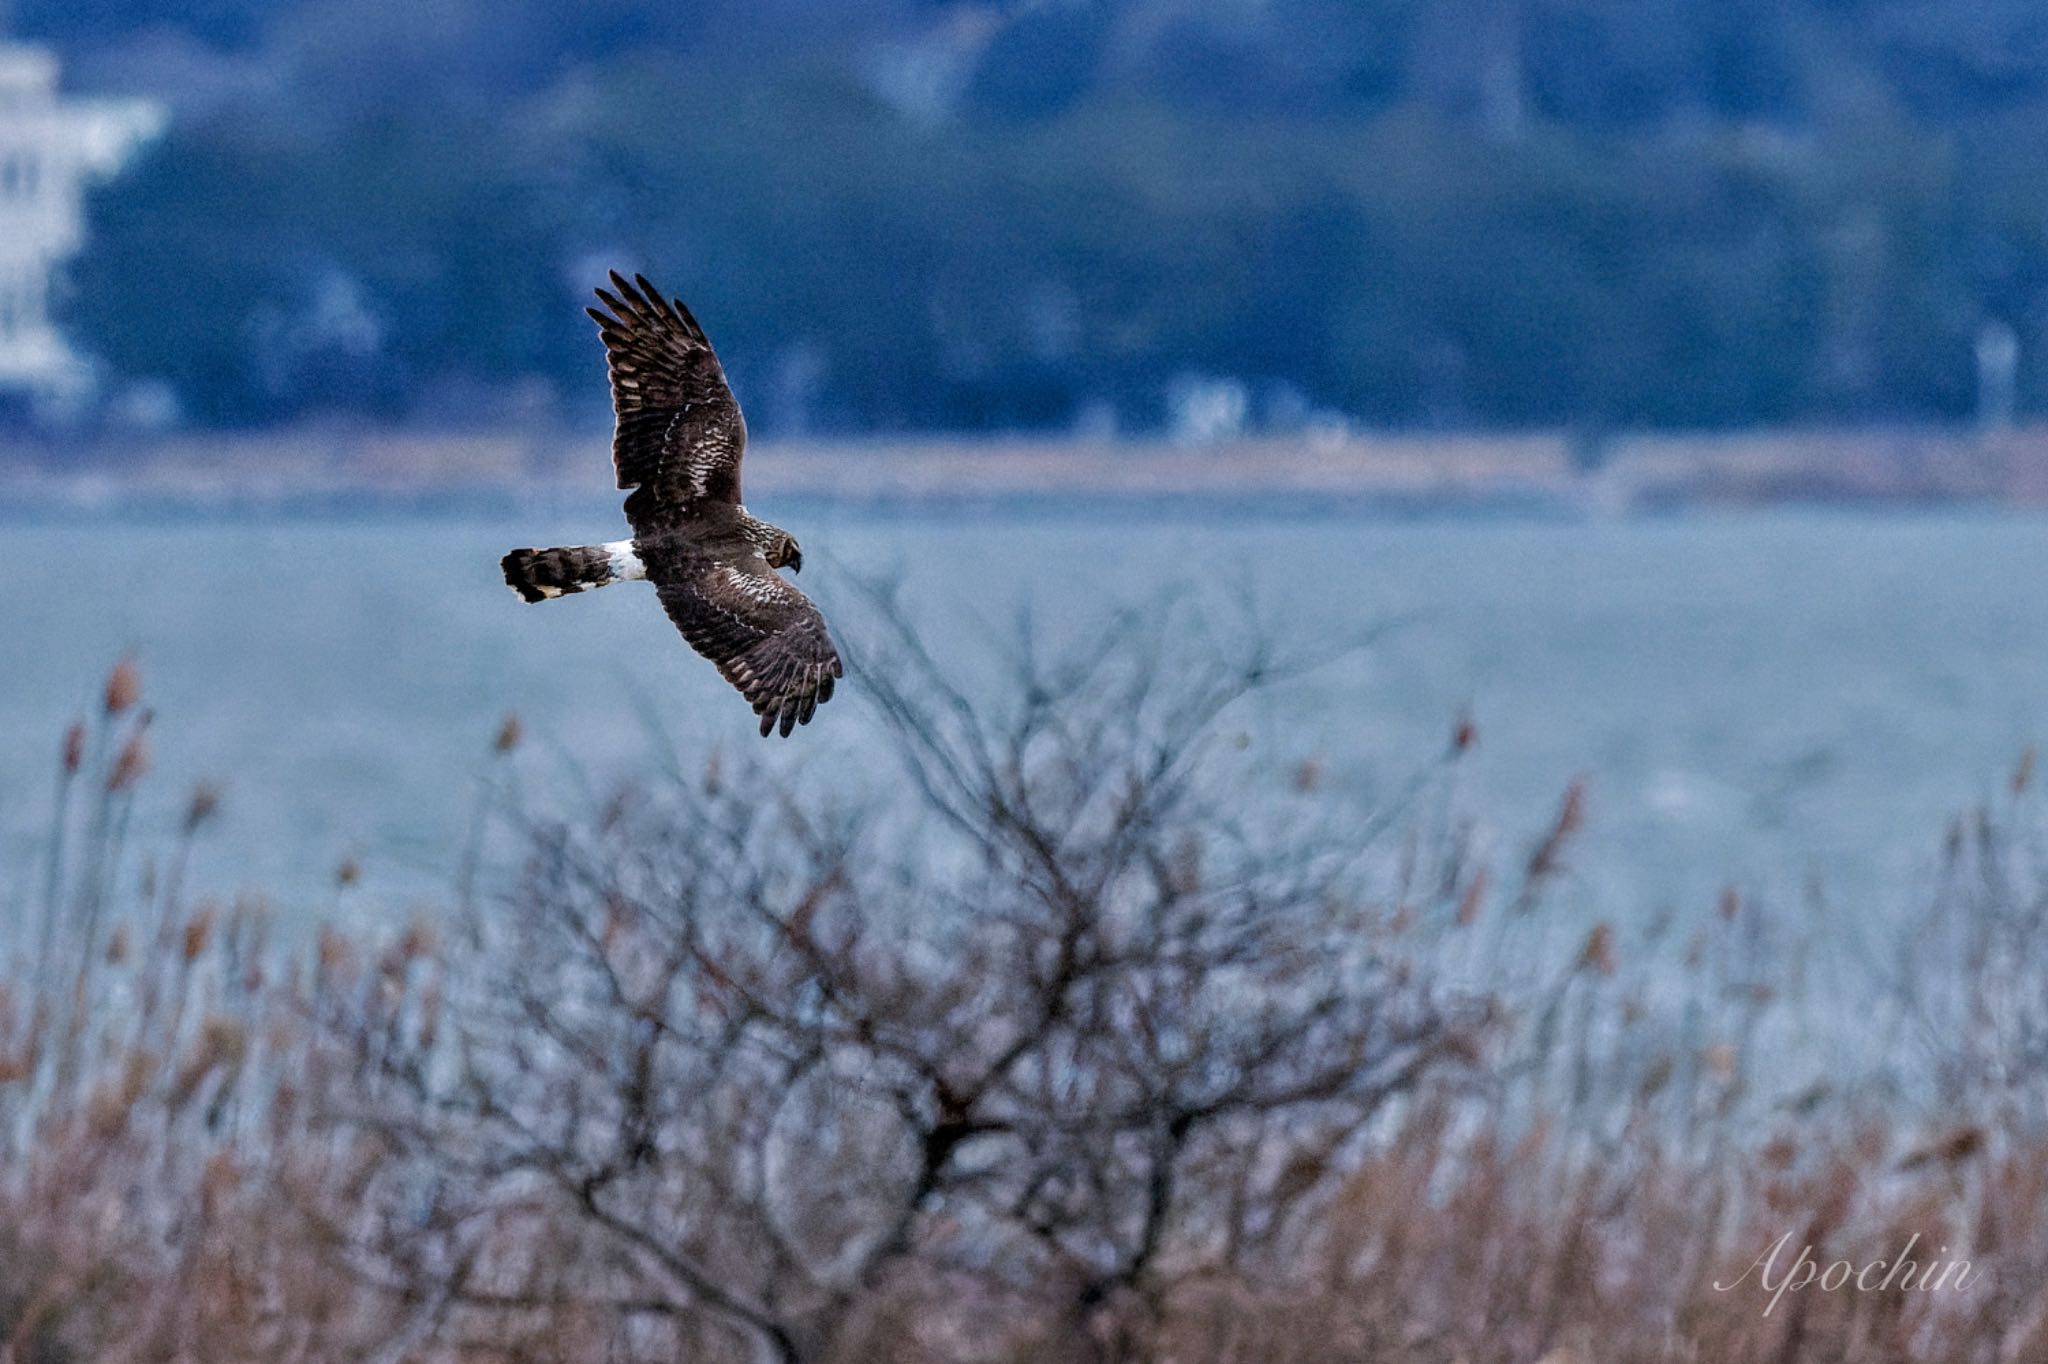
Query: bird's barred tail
{"type": "Point", "coordinates": [538, 574]}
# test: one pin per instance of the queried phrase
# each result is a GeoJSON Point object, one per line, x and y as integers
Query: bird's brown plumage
{"type": "Point", "coordinates": [677, 448]}
{"type": "Point", "coordinates": [764, 635]}
{"type": "Point", "coordinates": [680, 435]}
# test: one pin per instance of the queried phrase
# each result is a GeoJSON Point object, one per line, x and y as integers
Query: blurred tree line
{"type": "Point", "coordinates": [900, 214]}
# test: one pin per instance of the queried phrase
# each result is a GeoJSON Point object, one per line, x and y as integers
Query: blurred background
{"type": "Point", "coordinates": [1445, 634]}
{"type": "Point", "coordinates": [1075, 214]}
{"type": "Point", "coordinates": [1661, 380]}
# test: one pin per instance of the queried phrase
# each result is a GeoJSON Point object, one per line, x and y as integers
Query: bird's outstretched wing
{"type": "Point", "coordinates": [680, 434]}
{"type": "Point", "coordinates": [765, 636]}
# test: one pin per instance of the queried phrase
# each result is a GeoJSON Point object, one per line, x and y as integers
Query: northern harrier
{"type": "Point", "coordinates": [677, 446]}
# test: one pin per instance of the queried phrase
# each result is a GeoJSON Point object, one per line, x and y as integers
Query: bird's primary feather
{"type": "Point", "coordinates": [677, 448]}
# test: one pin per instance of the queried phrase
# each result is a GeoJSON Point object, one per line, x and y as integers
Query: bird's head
{"type": "Point", "coordinates": [788, 554]}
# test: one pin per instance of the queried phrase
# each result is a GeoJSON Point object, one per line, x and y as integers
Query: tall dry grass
{"type": "Point", "coordinates": [1109, 1044]}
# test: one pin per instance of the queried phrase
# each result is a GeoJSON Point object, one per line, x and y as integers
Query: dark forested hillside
{"type": "Point", "coordinates": [900, 215]}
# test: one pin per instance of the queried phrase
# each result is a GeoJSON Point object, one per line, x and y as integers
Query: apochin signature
{"type": "Point", "coordinates": [1902, 1274]}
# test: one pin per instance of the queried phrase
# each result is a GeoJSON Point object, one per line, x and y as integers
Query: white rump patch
{"type": "Point", "coordinates": [625, 564]}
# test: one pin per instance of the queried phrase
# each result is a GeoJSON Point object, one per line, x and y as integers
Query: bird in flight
{"type": "Point", "coordinates": [677, 447]}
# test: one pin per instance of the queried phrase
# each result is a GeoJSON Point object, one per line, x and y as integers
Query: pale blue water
{"type": "Point", "coordinates": [1756, 698]}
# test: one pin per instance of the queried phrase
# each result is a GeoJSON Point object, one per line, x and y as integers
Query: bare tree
{"type": "Point", "coordinates": [1073, 1028]}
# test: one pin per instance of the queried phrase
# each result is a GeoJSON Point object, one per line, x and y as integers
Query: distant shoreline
{"type": "Point", "coordinates": [339, 470]}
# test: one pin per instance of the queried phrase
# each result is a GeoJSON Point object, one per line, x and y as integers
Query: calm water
{"type": "Point", "coordinates": [1755, 698]}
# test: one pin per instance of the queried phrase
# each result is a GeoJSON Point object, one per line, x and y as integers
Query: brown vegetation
{"type": "Point", "coordinates": [1084, 1053]}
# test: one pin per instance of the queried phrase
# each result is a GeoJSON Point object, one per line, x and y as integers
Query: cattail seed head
{"type": "Point", "coordinates": [222, 1042]}
{"type": "Point", "coordinates": [199, 931]}
{"type": "Point", "coordinates": [1465, 733]}
{"type": "Point", "coordinates": [2023, 771]}
{"type": "Point", "coordinates": [133, 762]}
{"type": "Point", "coordinates": [105, 1114]}
{"type": "Point", "coordinates": [509, 733]}
{"type": "Point", "coordinates": [1721, 1061]}
{"type": "Point", "coordinates": [1780, 1151]}
{"type": "Point", "coordinates": [124, 687]}
{"type": "Point", "coordinates": [74, 747]}
{"type": "Point", "coordinates": [1960, 1144]}
{"type": "Point", "coordinates": [419, 940]}
{"type": "Point", "coordinates": [1571, 811]}
{"type": "Point", "coordinates": [1598, 953]}
{"type": "Point", "coordinates": [348, 872]}
{"type": "Point", "coordinates": [224, 1039]}
{"type": "Point", "coordinates": [333, 955]}
{"type": "Point", "coordinates": [1474, 898]}
{"type": "Point", "coordinates": [204, 804]}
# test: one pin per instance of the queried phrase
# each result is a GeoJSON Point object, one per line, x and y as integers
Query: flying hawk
{"type": "Point", "coordinates": [677, 446]}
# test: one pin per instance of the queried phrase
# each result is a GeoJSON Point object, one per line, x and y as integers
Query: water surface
{"type": "Point", "coordinates": [1760, 698]}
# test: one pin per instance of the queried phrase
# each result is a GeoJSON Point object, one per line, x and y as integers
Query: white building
{"type": "Point", "coordinates": [50, 150]}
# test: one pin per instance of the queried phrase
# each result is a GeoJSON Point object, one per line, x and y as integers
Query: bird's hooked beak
{"type": "Point", "coordinates": [795, 562]}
